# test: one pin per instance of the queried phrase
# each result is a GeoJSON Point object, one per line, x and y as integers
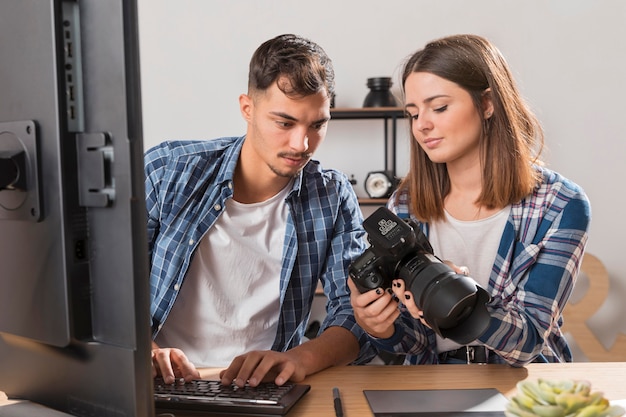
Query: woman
{"type": "Point", "coordinates": [477, 189]}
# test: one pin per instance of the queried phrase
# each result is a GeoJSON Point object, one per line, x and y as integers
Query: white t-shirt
{"type": "Point", "coordinates": [473, 244]}
{"type": "Point", "coordinates": [230, 300]}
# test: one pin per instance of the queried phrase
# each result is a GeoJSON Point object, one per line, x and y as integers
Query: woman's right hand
{"type": "Point", "coordinates": [172, 363]}
{"type": "Point", "coordinates": [375, 311]}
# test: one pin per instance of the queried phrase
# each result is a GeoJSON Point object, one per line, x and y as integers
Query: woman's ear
{"type": "Point", "coordinates": [487, 104]}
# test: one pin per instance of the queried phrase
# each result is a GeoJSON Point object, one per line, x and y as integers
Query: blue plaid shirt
{"type": "Point", "coordinates": [531, 280]}
{"type": "Point", "coordinates": [187, 185]}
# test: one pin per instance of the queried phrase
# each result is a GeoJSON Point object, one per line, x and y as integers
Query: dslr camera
{"type": "Point", "coordinates": [454, 305]}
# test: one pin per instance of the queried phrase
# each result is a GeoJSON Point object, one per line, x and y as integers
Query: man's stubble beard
{"type": "Point", "coordinates": [283, 174]}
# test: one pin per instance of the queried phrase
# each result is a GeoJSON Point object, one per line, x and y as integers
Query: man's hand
{"type": "Point", "coordinates": [263, 366]}
{"type": "Point", "coordinates": [375, 311]}
{"type": "Point", "coordinates": [336, 346]}
{"type": "Point", "coordinates": [172, 363]}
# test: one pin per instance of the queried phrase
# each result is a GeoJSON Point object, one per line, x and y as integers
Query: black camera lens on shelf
{"type": "Point", "coordinates": [454, 305]}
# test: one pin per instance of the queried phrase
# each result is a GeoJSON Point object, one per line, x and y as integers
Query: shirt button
{"type": "Point", "coordinates": [230, 185]}
{"type": "Point", "coordinates": [217, 207]}
{"type": "Point", "coordinates": [191, 242]}
{"type": "Point", "coordinates": [176, 287]}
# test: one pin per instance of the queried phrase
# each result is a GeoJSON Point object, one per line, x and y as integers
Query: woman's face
{"type": "Point", "coordinates": [444, 119]}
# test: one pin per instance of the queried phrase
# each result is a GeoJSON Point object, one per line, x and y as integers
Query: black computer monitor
{"type": "Point", "coordinates": [74, 291]}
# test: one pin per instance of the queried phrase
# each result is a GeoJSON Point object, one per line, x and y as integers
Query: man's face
{"type": "Point", "coordinates": [283, 132]}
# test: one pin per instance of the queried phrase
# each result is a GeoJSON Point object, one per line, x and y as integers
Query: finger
{"type": "Point", "coordinates": [451, 264]}
{"type": "Point", "coordinates": [268, 368]}
{"type": "Point", "coordinates": [463, 270]}
{"type": "Point", "coordinates": [361, 300]}
{"type": "Point", "coordinates": [409, 303]}
{"type": "Point", "coordinates": [388, 316]}
{"type": "Point", "coordinates": [250, 362]}
{"type": "Point", "coordinates": [162, 359]}
{"type": "Point", "coordinates": [380, 317]}
{"type": "Point", "coordinates": [398, 288]}
{"type": "Point", "coordinates": [260, 368]}
{"type": "Point", "coordinates": [185, 368]}
{"type": "Point", "coordinates": [407, 298]}
{"type": "Point", "coordinates": [288, 371]}
{"type": "Point", "coordinates": [413, 309]}
{"type": "Point", "coordinates": [352, 286]}
{"type": "Point", "coordinates": [375, 308]}
{"type": "Point", "coordinates": [228, 375]}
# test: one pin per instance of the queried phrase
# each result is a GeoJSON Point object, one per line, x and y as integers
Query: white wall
{"type": "Point", "coordinates": [569, 57]}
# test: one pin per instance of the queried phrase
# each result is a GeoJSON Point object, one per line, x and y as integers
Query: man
{"type": "Point", "coordinates": [241, 230]}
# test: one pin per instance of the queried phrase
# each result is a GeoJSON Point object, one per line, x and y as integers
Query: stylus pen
{"type": "Point", "coordinates": [337, 402]}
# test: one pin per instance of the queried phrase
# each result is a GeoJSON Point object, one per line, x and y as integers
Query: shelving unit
{"type": "Point", "coordinates": [390, 116]}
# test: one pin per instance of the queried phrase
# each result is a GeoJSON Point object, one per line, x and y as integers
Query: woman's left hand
{"type": "Point", "coordinates": [406, 297]}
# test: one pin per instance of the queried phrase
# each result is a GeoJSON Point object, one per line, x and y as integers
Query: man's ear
{"type": "Point", "coordinates": [487, 104]}
{"type": "Point", "coordinates": [246, 105]}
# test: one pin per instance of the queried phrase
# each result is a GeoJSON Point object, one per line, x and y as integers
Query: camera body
{"type": "Point", "coordinates": [454, 305]}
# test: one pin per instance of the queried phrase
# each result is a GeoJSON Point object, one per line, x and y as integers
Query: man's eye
{"type": "Point", "coordinates": [318, 126]}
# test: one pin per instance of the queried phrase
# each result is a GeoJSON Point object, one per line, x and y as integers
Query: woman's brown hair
{"type": "Point", "coordinates": [512, 137]}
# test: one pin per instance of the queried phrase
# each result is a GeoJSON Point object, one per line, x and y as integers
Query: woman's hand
{"type": "Point", "coordinates": [407, 298]}
{"type": "Point", "coordinates": [400, 291]}
{"type": "Point", "coordinates": [375, 311]}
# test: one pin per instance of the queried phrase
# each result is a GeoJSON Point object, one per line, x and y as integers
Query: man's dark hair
{"type": "Point", "coordinates": [300, 65]}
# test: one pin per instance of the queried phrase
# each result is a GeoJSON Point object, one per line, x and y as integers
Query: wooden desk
{"type": "Point", "coordinates": [610, 378]}
{"type": "Point", "coordinates": [607, 377]}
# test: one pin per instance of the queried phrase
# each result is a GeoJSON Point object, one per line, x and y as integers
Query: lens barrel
{"type": "Point", "coordinates": [453, 304]}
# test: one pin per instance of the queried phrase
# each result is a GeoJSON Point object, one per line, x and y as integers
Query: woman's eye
{"type": "Point", "coordinates": [441, 109]}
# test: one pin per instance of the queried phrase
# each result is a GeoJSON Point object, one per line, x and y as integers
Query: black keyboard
{"type": "Point", "coordinates": [211, 396]}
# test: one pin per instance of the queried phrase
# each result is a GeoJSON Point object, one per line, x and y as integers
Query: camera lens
{"type": "Point", "coordinates": [451, 301]}
{"type": "Point", "coordinates": [453, 304]}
